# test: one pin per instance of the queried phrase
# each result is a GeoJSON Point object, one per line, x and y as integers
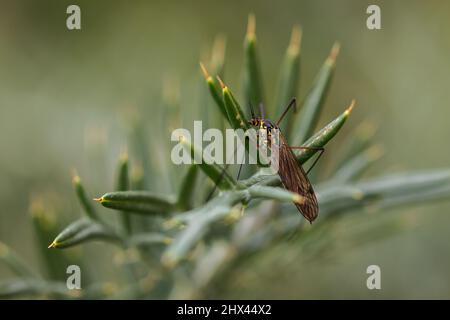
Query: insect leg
{"type": "Point", "coordinates": [222, 174]}
{"type": "Point", "coordinates": [239, 172]}
{"type": "Point", "coordinates": [320, 149]}
{"type": "Point", "coordinates": [251, 109]}
{"type": "Point", "coordinates": [242, 162]}
{"type": "Point", "coordinates": [216, 183]}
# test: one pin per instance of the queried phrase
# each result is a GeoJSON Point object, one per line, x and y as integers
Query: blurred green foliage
{"type": "Point", "coordinates": [64, 95]}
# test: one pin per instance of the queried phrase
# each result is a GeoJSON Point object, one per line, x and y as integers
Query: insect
{"type": "Point", "coordinates": [292, 175]}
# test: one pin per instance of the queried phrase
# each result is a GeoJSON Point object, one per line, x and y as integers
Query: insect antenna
{"type": "Point", "coordinates": [216, 183]}
{"type": "Point", "coordinates": [222, 174]}
{"type": "Point", "coordinates": [292, 103]}
{"type": "Point", "coordinates": [320, 149]}
{"type": "Point", "coordinates": [252, 111]}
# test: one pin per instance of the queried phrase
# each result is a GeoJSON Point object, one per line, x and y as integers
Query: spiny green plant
{"type": "Point", "coordinates": [181, 245]}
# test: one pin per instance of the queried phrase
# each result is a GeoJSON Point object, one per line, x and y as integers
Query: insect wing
{"type": "Point", "coordinates": [294, 179]}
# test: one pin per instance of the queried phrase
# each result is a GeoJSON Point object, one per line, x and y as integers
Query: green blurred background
{"type": "Point", "coordinates": [63, 96]}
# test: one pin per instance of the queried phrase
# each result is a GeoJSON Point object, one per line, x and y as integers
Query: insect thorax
{"type": "Point", "coordinates": [266, 130]}
{"type": "Point", "coordinates": [263, 124]}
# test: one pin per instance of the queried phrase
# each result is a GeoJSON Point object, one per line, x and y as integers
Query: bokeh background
{"type": "Point", "coordinates": [64, 95]}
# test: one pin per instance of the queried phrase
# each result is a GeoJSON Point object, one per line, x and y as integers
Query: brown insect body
{"type": "Point", "coordinates": [292, 175]}
{"type": "Point", "coordinates": [295, 179]}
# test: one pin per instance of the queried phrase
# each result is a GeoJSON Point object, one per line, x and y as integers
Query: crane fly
{"type": "Point", "coordinates": [292, 175]}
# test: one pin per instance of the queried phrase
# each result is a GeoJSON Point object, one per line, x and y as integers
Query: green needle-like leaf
{"type": "Point", "coordinates": [14, 289]}
{"type": "Point", "coordinates": [272, 193]}
{"type": "Point", "coordinates": [392, 190]}
{"type": "Point", "coordinates": [357, 141]}
{"type": "Point", "coordinates": [187, 189]}
{"type": "Point", "coordinates": [210, 116]}
{"type": "Point", "coordinates": [289, 80]}
{"type": "Point", "coordinates": [139, 145]}
{"type": "Point", "coordinates": [321, 138]}
{"type": "Point", "coordinates": [14, 262]}
{"type": "Point", "coordinates": [306, 120]}
{"type": "Point", "coordinates": [253, 88]}
{"type": "Point", "coordinates": [85, 201]}
{"type": "Point", "coordinates": [123, 184]}
{"type": "Point", "coordinates": [215, 92]}
{"type": "Point", "coordinates": [137, 178]}
{"type": "Point", "coordinates": [213, 211]}
{"type": "Point", "coordinates": [144, 202]}
{"type": "Point", "coordinates": [81, 231]}
{"type": "Point", "coordinates": [200, 219]}
{"type": "Point", "coordinates": [148, 239]}
{"type": "Point", "coordinates": [236, 116]}
{"type": "Point", "coordinates": [213, 170]}
{"type": "Point", "coordinates": [46, 227]}
{"type": "Point", "coordinates": [357, 165]}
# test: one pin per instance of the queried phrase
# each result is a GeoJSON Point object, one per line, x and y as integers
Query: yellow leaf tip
{"type": "Point", "coordinates": [221, 83]}
{"type": "Point", "coordinates": [350, 108]}
{"type": "Point", "coordinates": [123, 156]}
{"type": "Point", "coordinates": [98, 199]}
{"type": "Point", "coordinates": [52, 245]}
{"type": "Point", "coordinates": [296, 37]}
{"type": "Point", "coordinates": [76, 179]}
{"type": "Point", "coordinates": [251, 25]}
{"type": "Point", "coordinates": [204, 71]}
{"type": "Point", "coordinates": [335, 51]}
